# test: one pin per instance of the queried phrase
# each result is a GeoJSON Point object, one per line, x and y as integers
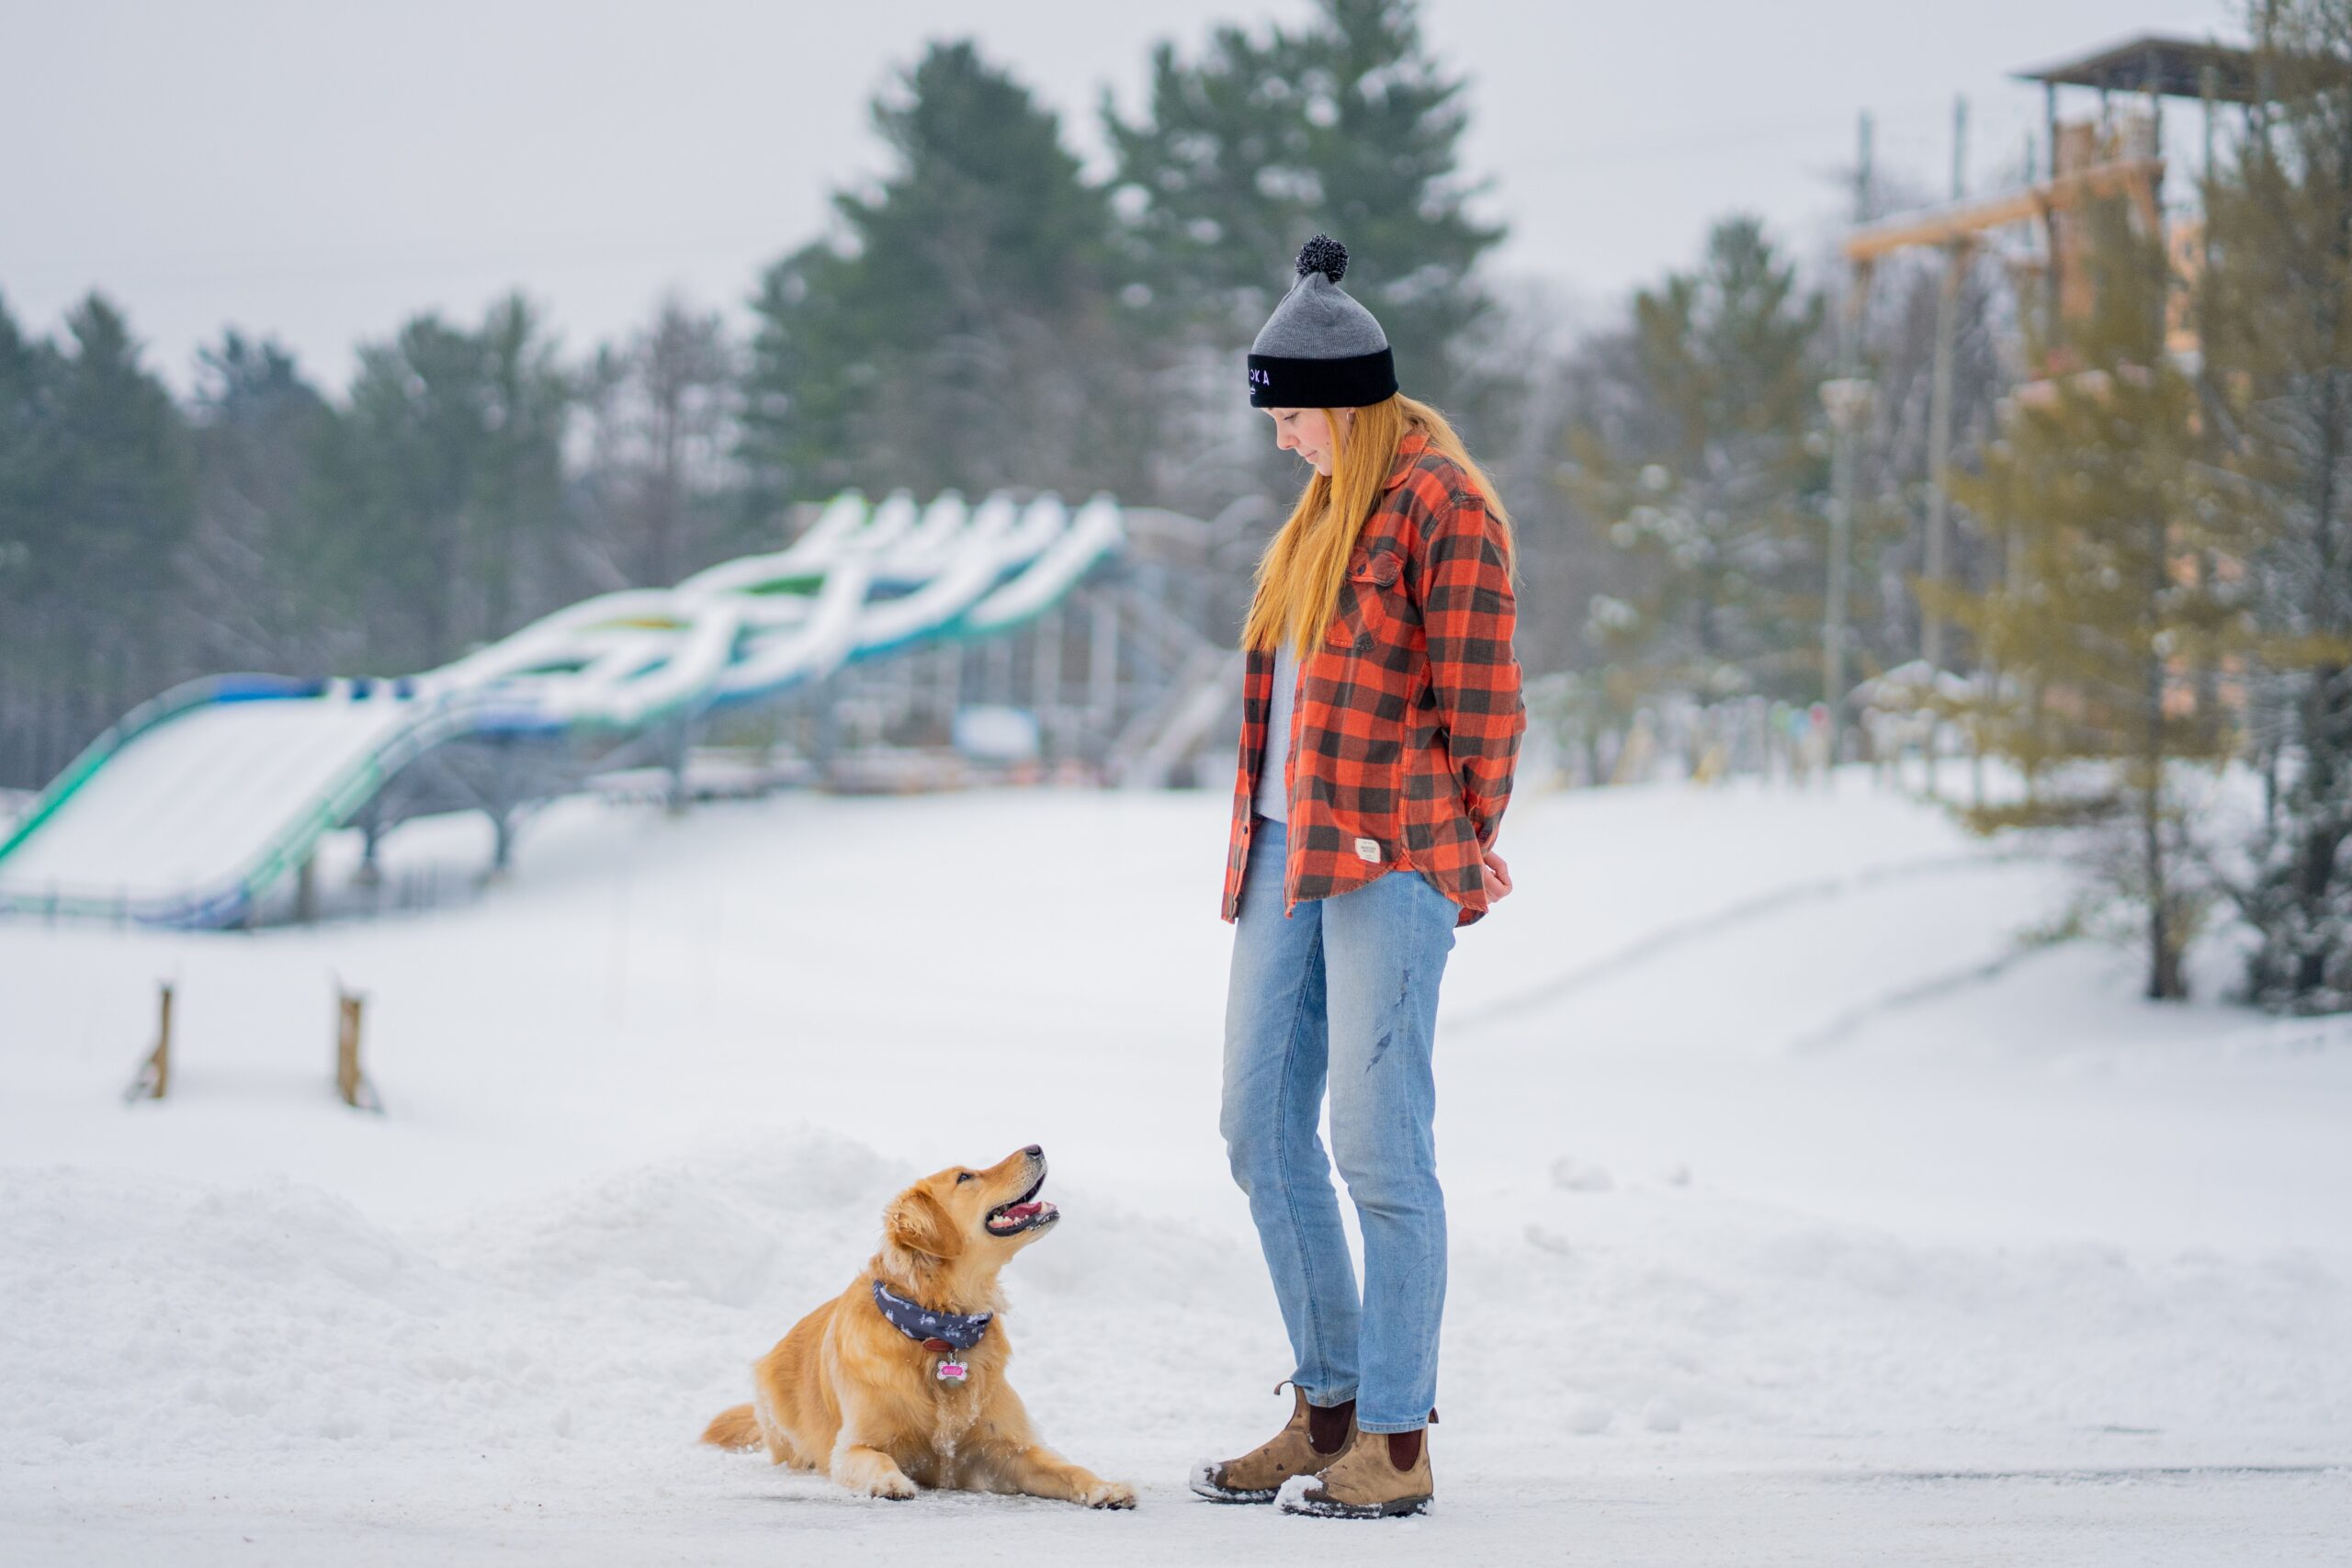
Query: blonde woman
{"type": "Point", "coordinates": [1381, 716]}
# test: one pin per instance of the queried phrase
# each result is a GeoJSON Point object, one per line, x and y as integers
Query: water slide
{"type": "Point", "coordinates": [200, 800]}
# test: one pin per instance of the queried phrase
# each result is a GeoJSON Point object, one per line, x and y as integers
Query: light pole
{"type": "Point", "coordinates": [1847, 400]}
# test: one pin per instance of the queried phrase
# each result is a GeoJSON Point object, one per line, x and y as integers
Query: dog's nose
{"type": "Point", "coordinates": [1034, 1152]}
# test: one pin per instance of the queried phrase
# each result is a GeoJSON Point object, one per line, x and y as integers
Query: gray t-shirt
{"type": "Point", "coordinates": [1273, 799]}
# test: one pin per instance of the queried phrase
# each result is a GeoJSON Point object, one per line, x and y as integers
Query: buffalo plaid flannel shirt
{"type": "Point", "coordinates": [1408, 714]}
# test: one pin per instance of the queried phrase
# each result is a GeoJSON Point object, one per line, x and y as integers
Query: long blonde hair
{"type": "Point", "coordinates": [1300, 574]}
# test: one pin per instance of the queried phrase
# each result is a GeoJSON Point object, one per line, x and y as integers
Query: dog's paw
{"type": "Point", "coordinates": [897, 1488]}
{"type": "Point", "coordinates": [1109, 1494]}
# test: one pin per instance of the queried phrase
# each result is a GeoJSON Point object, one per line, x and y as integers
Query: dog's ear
{"type": "Point", "coordinates": [918, 1222]}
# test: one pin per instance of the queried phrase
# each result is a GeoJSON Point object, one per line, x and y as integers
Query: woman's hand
{"type": "Point", "coordinates": [1497, 878]}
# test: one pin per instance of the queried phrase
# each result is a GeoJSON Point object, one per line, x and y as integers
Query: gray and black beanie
{"type": "Point", "coordinates": [1320, 349]}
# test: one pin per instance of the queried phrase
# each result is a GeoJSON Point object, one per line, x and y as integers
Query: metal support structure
{"type": "Point", "coordinates": [946, 682]}
{"type": "Point", "coordinates": [501, 804]}
{"type": "Point", "coordinates": [306, 889]}
{"type": "Point", "coordinates": [996, 662]}
{"type": "Point", "coordinates": [825, 733]}
{"type": "Point", "coordinates": [1845, 398]}
{"type": "Point", "coordinates": [677, 745]}
{"type": "Point", "coordinates": [2209, 674]}
{"type": "Point", "coordinates": [1045, 682]}
{"type": "Point", "coordinates": [1939, 400]}
{"type": "Point", "coordinates": [371, 839]}
{"type": "Point", "coordinates": [1102, 664]}
{"type": "Point", "coordinates": [2050, 238]}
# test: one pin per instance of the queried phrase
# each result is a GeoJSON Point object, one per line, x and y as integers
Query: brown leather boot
{"type": "Point", "coordinates": [1381, 1476]}
{"type": "Point", "coordinates": [1257, 1475]}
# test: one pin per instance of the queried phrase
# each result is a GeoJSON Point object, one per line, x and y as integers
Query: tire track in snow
{"type": "Point", "coordinates": [1929, 989]}
{"type": "Point", "coordinates": [1714, 923]}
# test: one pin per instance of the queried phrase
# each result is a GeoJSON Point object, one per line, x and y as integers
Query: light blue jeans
{"type": "Point", "coordinates": [1345, 990]}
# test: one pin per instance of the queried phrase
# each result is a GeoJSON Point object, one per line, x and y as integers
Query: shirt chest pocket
{"type": "Point", "coordinates": [1372, 608]}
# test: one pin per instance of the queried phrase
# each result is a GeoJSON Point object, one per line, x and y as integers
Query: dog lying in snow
{"type": "Point", "coordinates": [898, 1381]}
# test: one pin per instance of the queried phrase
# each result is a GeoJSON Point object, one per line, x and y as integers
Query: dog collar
{"type": "Point", "coordinates": [919, 1322]}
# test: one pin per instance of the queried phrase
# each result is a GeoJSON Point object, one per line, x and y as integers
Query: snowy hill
{"type": "Point", "coordinates": [1796, 1214]}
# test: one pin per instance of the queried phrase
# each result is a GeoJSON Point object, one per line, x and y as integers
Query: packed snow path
{"type": "Point", "coordinates": [2024, 1271]}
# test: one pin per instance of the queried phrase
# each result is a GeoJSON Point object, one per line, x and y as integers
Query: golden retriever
{"type": "Point", "coordinates": [851, 1393]}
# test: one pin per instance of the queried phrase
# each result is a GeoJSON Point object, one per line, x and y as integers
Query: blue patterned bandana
{"type": "Point", "coordinates": [918, 1322]}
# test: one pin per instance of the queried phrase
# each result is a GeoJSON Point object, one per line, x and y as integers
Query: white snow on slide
{"type": "Point", "coordinates": [195, 802]}
{"type": "Point", "coordinates": [2026, 1270]}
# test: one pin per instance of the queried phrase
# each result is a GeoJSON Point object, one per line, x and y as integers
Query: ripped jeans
{"type": "Point", "coordinates": [1344, 989]}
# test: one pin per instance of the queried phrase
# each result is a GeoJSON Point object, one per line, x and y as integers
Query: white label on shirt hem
{"type": "Point", "coordinates": [1367, 849]}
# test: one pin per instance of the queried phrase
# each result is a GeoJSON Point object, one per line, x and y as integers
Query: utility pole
{"type": "Point", "coordinates": [1931, 623]}
{"type": "Point", "coordinates": [1845, 398]}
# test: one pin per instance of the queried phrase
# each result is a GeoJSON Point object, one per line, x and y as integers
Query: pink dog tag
{"type": "Point", "coordinates": [953, 1372]}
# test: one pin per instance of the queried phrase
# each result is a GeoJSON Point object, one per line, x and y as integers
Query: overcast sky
{"type": "Point", "coordinates": [321, 170]}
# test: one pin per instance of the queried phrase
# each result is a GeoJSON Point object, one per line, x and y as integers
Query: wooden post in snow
{"type": "Point", "coordinates": [350, 1083]}
{"type": "Point", "coordinates": [154, 1076]}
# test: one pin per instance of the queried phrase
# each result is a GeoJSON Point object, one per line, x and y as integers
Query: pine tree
{"type": "Point", "coordinates": [518, 512]}
{"type": "Point", "coordinates": [1346, 125]}
{"type": "Point", "coordinates": [95, 503]}
{"type": "Point", "coordinates": [951, 335]}
{"type": "Point", "coordinates": [270, 573]}
{"type": "Point", "coordinates": [659, 475]}
{"type": "Point", "coordinates": [1697, 441]}
{"type": "Point", "coordinates": [2100, 475]}
{"type": "Point", "coordinates": [2278, 335]}
{"type": "Point", "coordinates": [450, 462]}
{"type": "Point", "coordinates": [408, 454]}
{"type": "Point", "coordinates": [1893, 454]}
{"type": "Point", "coordinates": [26, 373]}
{"type": "Point", "coordinates": [126, 503]}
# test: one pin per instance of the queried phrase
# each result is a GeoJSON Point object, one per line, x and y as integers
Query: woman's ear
{"type": "Point", "coordinates": [916, 1221]}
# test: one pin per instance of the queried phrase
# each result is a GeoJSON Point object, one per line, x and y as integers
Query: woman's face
{"type": "Point", "coordinates": [1307, 431]}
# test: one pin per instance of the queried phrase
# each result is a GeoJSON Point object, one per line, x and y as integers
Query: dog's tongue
{"type": "Point", "coordinates": [1023, 1210]}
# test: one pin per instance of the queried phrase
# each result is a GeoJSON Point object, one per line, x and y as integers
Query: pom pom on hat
{"type": "Point", "coordinates": [1323, 254]}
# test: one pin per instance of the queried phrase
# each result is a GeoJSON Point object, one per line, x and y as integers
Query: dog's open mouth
{"type": "Point", "coordinates": [1023, 1213]}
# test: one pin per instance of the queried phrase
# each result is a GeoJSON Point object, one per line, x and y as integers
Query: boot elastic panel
{"type": "Point", "coordinates": [1328, 1428]}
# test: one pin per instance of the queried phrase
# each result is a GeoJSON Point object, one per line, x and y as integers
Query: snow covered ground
{"type": "Point", "coordinates": [1796, 1217]}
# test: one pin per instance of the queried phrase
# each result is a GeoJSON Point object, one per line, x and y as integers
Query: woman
{"type": "Point", "coordinates": [1381, 716]}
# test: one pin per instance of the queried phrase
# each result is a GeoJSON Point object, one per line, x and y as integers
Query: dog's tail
{"type": "Point", "coordinates": [736, 1428]}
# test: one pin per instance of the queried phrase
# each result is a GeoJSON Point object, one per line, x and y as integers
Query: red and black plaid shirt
{"type": "Point", "coordinates": [1408, 713]}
